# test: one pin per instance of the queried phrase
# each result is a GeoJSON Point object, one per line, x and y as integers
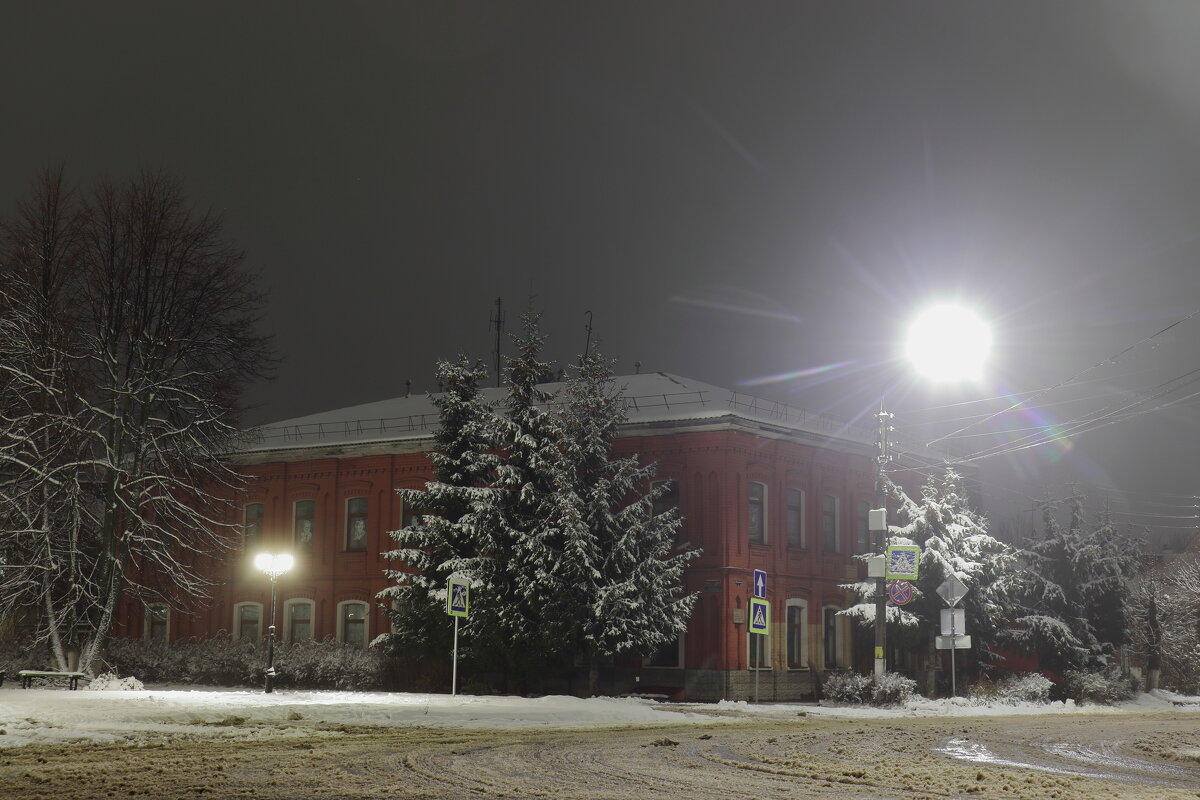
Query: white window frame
{"type": "Point", "coordinates": [366, 525]}
{"type": "Point", "coordinates": [148, 619]}
{"type": "Point", "coordinates": [288, 605]}
{"type": "Point", "coordinates": [341, 621]}
{"type": "Point", "coordinates": [237, 618]}
{"type": "Point", "coordinates": [796, 602]}
{"type": "Point", "coordinates": [763, 511]}
{"type": "Point", "coordinates": [678, 657]}
{"type": "Point", "coordinates": [295, 519]}
{"type": "Point", "coordinates": [766, 649]}
{"type": "Point", "coordinates": [838, 638]}
{"type": "Point", "coordinates": [787, 518]}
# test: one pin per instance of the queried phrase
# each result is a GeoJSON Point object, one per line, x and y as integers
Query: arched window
{"type": "Point", "coordinates": [298, 620]}
{"type": "Point", "coordinates": [247, 621]}
{"type": "Point", "coordinates": [352, 623]}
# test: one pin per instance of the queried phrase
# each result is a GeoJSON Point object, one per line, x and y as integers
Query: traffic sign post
{"type": "Point", "coordinates": [954, 624]}
{"type": "Point", "coordinates": [760, 583]}
{"type": "Point", "coordinates": [458, 604]}
{"type": "Point", "coordinates": [760, 617]}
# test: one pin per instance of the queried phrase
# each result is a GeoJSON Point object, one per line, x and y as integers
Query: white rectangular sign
{"type": "Point", "coordinates": [954, 620]}
{"type": "Point", "coordinates": [953, 643]}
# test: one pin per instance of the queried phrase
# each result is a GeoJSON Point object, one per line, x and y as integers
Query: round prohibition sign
{"type": "Point", "coordinates": [901, 592]}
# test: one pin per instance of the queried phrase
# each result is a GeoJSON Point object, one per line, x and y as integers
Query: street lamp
{"type": "Point", "coordinates": [944, 343]}
{"type": "Point", "coordinates": [273, 565]}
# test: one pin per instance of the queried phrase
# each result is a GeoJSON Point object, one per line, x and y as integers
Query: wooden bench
{"type": "Point", "coordinates": [72, 678]}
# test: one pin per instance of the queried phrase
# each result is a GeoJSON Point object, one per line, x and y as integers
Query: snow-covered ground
{"type": "Point", "coordinates": [44, 715]}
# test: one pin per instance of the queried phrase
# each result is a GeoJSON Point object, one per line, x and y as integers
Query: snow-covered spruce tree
{"type": "Point", "coordinates": [444, 538]}
{"type": "Point", "coordinates": [1076, 591]}
{"type": "Point", "coordinates": [618, 555]}
{"type": "Point", "coordinates": [1052, 622]}
{"type": "Point", "coordinates": [954, 541]}
{"type": "Point", "coordinates": [1105, 562]}
{"type": "Point", "coordinates": [519, 529]}
{"type": "Point", "coordinates": [160, 335]}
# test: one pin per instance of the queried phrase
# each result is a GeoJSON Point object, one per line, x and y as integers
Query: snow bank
{"type": "Point", "coordinates": [132, 715]}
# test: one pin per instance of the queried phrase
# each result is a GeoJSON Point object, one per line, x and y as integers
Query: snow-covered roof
{"type": "Point", "coordinates": [655, 397]}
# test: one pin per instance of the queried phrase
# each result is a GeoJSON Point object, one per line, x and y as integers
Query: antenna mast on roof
{"type": "Point", "coordinates": [588, 344]}
{"type": "Point", "coordinates": [498, 322]}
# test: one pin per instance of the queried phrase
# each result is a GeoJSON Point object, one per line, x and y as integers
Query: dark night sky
{"type": "Point", "coordinates": [735, 190]}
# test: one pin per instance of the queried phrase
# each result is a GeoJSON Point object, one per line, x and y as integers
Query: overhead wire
{"type": "Point", "coordinates": [1095, 420]}
{"type": "Point", "coordinates": [1071, 380]}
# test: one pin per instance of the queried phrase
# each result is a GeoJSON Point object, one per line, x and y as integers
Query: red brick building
{"type": "Point", "coordinates": [760, 485]}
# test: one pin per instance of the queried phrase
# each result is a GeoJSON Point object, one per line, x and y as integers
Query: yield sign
{"type": "Point", "coordinates": [760, 583]}
{"type": "Point", "coordinates": [952, 590]}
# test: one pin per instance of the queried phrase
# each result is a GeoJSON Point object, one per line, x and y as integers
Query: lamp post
{"type": "Point", "coordinates": [274, 565]}
{"type": "Point", "coordinates": [945, 343]}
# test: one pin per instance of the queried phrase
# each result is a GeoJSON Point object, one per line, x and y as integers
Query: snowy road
{"type": "Point", "coordinates": [1066, 757]}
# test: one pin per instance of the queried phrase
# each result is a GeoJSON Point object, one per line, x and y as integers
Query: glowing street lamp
{"type": "Point", "coordinates": [274, 565]}
{"type": "Point", "coordinates": [948, 343]}
{"type": "Point", "coordinates": [945, 343]}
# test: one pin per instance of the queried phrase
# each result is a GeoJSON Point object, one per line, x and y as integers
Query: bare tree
{"type": "Point", "coordinates": [41, 503]}
{"type": "Point", "coordinates": [159, 319]}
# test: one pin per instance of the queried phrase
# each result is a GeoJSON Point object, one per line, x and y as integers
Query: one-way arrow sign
{"type": "Point", "coordinates": [760, 583]}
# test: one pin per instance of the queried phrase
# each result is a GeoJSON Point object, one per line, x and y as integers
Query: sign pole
{"type": "Point", "coordinates": [760, 620]}
{"type": "Point", "coordinates": [458, 604]}
{"type": "Point", "coordinates": [454, 669]}
{"type": "Point", "coordinates": [954, 638]}
{"type": "Point", "coordinates": [757, 664]}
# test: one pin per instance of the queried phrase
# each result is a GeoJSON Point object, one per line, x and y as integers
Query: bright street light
{"type": "Point", "coordinates": [274, 565]}
{"type": "Point", "coordinates": [949, 343]}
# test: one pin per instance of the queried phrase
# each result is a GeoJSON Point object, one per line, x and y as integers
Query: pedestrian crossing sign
{"type": "Point", "coordinates": [458, 596]}
{"type": "Point", "coordinates": [760, 613]}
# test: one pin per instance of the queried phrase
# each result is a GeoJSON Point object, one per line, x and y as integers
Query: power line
{"type": "Point", "coordinates": [1074, 378]}
{"type": "Point", "coordinates": [1082, 425]}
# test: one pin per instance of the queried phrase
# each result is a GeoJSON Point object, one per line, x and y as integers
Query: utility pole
{"type": "Point", "coordinates": [498, 322]}
{"type": "Point", "coordinates": [879, 527]}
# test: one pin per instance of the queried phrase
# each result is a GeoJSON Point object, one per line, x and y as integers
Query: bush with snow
{"type": "Point", "coordinates": [224, 661]}
{"type": "Point", "coordinates": [1103, 688]}
{"type": "Point", "coordinates": [1013, 689]}
{"type": "Point", "coordinates": [109, 682]}
{"type": "Point", "coordinates": [892, 689]}
{"type": "Point", "coordinates": [846, 687]}
{"type": "Point", "coordinates": [850, 687]}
